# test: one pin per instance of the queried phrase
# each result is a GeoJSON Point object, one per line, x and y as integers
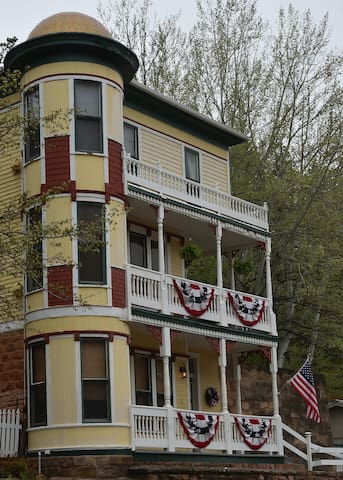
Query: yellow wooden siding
{"type": "Point", "coordinates": [209, 377]}
{"type": "Point", "coordinates": [157, 148]}
{"type": "Point", "coordinates": [11, 163]}
{"type": "Point", "coordinates": [32, 178]}
{"type": "Point", "coordinates": [62, 380]}
{"type": "Point", "coordinates": [90, 172]}
{"type": "Point", "coordinates": [174, 246]}
{"type": "Point", "coordinates": [34, 301]}
{"type": "Point", "coordinates": [114, 108]}
{"type": "Point", "coordinates": [118, 247]}
{"type": "Point", "coordinates": [58, 217]}
{"type": "Point", "coordinates": [173, 132]}
{"type": "Point", "coordinates": [214, 172]}
{"type": "Point", "coordinates": [56, 111]}
{"type": "Point", "coordinates": [121, 386]}
{"type": "Point", "coordinates": [93, 295]}
{"type": "Point", "coordinates": [10, 192]}
{"type": "Point", "coordinates": [72, 68]}
{"type": "Point", "coordinates": [77, 323]}
{"type": "Point", "coordinates": [82, 436]}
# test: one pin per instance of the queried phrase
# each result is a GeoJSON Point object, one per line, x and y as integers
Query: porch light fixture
{"type": "Point", "coordinates": [183, 372]}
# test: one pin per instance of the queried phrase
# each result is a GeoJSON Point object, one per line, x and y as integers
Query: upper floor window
{"type": "Point", "coordinates": [131, 140]}
{"type": "Point", "coordinates": [144, 251]}
{"type": "Point", "coordinates": [32, 134]}
{"type": "Point", "coordinates": [88, 116]}
{"type": "Point", "coordinates": [34, 255]}
{"type": "Point", "coordinates": [37, 384]}
{"type": "Point", "coordinates": [192, 165]}
{"type": "Point", "coordinates": [91, 244]}
{"type": "Point", "coordinates": [95, 380]}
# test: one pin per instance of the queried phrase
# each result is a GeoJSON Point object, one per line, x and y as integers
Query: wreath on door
{"type": "Point", "coordinates": [211, 396]}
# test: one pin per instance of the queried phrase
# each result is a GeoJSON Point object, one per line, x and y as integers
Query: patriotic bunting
{"type": "Point", "coordinates": [196, 299]}
{"type": "Point", "coordinates": [200, 429]}
{"type": "Point", "coordinates": [255, 431]}
{"type": "Point", "coordinates": [248, 309]}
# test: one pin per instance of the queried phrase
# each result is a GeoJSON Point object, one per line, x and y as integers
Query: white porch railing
{"type": "Point", "coordinates": [150, 290]}
{"type": "Point", "coordinates": [156, 179]}
{"type": "Point", "coordinates": [9, 432]}
{"type": "Point", "coordinates": [313, 454]}
{"type": "Point", "coordinates": [154, 427]}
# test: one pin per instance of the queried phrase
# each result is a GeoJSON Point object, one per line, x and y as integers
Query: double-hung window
{"type": "Point", "coordinates": [88, 116]}
{"type": "Point", "coordinates": [131, 140]}
{"type": "Point", "coordinates": [143, 251]}
{"type": "Point", "coordinates": [192, 165]}
{"type": "Point", "coordinates": [91, 243]}
{"type": "Point", "coordinates": [148, 380]}
{"type": "Point", "coordinates": [95, 380]}
{"type": "Point", "coordinates": [37, 384]}
{"type": "Point", "coordinates": [34, 255]}
{"type": "Point", "coordinates": [32, 133]}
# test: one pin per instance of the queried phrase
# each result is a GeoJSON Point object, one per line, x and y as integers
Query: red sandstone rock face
{"type": "Point", "coordinates": [12, 369]}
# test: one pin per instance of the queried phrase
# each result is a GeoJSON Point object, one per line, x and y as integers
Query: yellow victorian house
{"type": "Point", "coordinates": [124, 353]}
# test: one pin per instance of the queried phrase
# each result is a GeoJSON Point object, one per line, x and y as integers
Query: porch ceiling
{"type": "Point", "coordinates": [188, 227]}
{"type": "Point", "coordinates": [184, 342]}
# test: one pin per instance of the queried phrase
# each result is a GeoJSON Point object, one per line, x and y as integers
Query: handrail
{"type": "Point", "coordinates": [167, 183]}
{"type": "Point", "coordinates": [313, 448]}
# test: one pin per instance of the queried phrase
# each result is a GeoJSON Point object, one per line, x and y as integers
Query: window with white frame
{"type": "Point", "coordinates": [192, 164]}
{"type": "Point", "coordinates": [32, 128]}
{"type": "Point", "coordinates": [91, 243]}
{"type": "Point", "coordinates": [37, 384]}
{"type": "Point", "coordinates": [95, 380]}
{"type": "Point", "coordinates": [34, 253]}
{"type": "Point", "coordinates": [144, 248]}
{"type": "Point", "coordinates": [131, 140]}
{"type": "Point", "coordinates": [149, 383]}
{"type": "Point", "coordinates": [88, 116]}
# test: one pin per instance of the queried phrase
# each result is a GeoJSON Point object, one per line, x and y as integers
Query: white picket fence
{"type": "Point", "coordinates": [9, 432]}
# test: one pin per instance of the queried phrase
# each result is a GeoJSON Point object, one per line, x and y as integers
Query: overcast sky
{"type": "Point", "coordinates": [19, 17]}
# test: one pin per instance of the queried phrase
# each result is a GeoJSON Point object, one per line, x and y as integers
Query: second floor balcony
{"type": "Point", "coordinates": [157, 180]}
{"type": "Point", "coordinates": [154, 291]}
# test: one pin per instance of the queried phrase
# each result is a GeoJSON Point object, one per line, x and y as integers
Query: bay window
{"type": "Point", "coordinates": [37, 384]}
{"type": "Point", "coordinates": [88, 116]}
{"type": "Point", "coordinates": [91, 243]}
{"type": "Point", "coordinates": [32, 115]}
{"type": "Point", "coordinates": [95, 380]}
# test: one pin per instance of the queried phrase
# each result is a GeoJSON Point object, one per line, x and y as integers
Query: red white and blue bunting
{"type": "Point", "coordinates": [248, 309]}
{"type": "Point", "coordinates": [200, 429]}
{"type": "Point", "coordinates": [196, 299]}
{"type": "Point", "coordinates": [255, 431]}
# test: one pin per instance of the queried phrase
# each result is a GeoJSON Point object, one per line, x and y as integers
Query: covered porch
{"type": "Point", "coordinates": [161, 429]}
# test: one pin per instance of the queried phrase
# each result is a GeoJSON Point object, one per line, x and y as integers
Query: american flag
{"type": "Point", "coordinates": [303, 383]}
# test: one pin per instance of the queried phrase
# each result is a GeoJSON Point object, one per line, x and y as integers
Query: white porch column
{"type": "Point", "coordinates": [219, 235]}
{"type": "Point", "coordinates": [165, 352]}
{"type": "Point", "coordinates": [269, 288]}
{"type": "Point", "coordinates": [238, 385]}
{"type": "Point", "coordinates": [273, 371]}
{"type": "Point", "coordinates": [222, 365]}
{"type": "Point", "coordinates": [232, 273]}
{"type": "Point", "coordinates": [161, 261]}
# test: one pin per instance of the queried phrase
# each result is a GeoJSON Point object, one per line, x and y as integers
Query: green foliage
{"type": "Point", "coordinates": [190, 252]}
{"type": "Point", "coordinates": [9, 80]}
{"type": "Point", "coordinates": [15, 469]}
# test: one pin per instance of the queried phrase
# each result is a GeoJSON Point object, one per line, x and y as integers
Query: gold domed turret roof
{"type": "Point", "coordinates": [69, 22]}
